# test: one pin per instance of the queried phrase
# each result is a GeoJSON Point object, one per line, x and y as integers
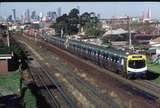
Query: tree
{"type": "Point", "coordinates": [73, 22]}
{"type": "Point", "coordinates": [73, 19]}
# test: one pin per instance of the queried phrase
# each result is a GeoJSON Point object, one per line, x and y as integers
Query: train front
{"type": "Point", "coordinates": [136, 65]}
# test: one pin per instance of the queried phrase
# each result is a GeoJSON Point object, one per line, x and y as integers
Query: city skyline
{"type": "Point", "coordinates": [105, 9]}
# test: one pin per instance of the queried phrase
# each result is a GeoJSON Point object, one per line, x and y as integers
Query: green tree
{"type": "Point", "coordinates": [73, 22]}
{"type": "Point", "coordinates": [73, 19]}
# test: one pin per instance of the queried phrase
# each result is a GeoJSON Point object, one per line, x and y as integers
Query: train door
{"type": "Point", "coordinates": [96, 56]}
{"type": "Point", "coordinates": [87, 52]}
{"type": "Point", "coordinates": [72, 47]}
{"type": "Point", "coordinates": [99, 53]}
{"type": "Point", "coordinates": [92, 55]}
{"type": "Point", "coordinates": [81, 50]}
{"type": "Point", "coordinates": [107, 60]}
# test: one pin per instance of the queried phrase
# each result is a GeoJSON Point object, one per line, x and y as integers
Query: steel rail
{"type": "Point", "coordinates": [56, 83]}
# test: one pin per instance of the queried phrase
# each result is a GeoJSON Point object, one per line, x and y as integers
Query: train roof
{"type": "Point", "coordinates": [110, 50]}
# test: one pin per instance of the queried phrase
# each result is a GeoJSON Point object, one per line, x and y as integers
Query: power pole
{"type": "Point", "coordinates": [129, 32]}
{"type": "Point", "coordinates": [8, 42]}
{"type": "Point", "coordinates": [61, 33]}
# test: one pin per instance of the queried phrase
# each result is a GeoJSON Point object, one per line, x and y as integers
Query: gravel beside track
{"type": "Point", "coordinates": [50, 88]}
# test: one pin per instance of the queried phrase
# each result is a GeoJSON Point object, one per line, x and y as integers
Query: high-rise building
{"type": "Point", "coordinates": [14, 14]}
{"type": "Point", "coordinates": [27, 16]}
{"type": "Point", "coordinates": [9, 18]}
{"type": "Point", "coordinates": [33, 15]}
{"type": "Point", "coordinates": [40, 16]}
{"type": "Point", "coordinates": [54, 16]}
{"type": "Point", "coordinates": [98, 16]}
{"type": "Point", "coordinates": [51, 16]}
{"type": "Point", "coordinates": [59, 12]}
{"type": "Point", "coordinates": [149, 14]}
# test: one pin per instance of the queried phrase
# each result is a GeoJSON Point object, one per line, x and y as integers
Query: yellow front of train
{"type": "Point", "coordinates": [136, 65]}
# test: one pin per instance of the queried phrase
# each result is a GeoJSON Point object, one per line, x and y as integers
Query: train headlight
{"type": "Point", "coordinates": [127, 53]}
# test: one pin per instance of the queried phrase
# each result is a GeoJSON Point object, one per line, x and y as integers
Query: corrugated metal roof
{"type": "Point", "coordinates": [156, 40]}
{"type": "Point", "coordinates": [116, 32]}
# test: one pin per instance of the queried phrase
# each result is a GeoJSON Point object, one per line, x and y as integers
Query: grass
{"type": "Point", "coordinates": [29, 99]}
{"type": "Point", "coordinates": [155, 68]}
{"type": "Point", "coordinates": [10, 81]}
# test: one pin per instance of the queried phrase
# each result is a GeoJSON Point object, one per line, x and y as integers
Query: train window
{"type": "Point", "coordinates": [116, 59]}
{"type": "Point", "coordinates": [112, 58]}
{"type": "Point", "coordinates": [95, 52]}
{"type": "Point", "coordinates": [103, 55]}
{"type": "Point", "coordinates": [136, 64]}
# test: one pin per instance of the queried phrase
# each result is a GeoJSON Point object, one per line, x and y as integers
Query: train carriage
{"type": "Point", "coordinates": [115, 60]}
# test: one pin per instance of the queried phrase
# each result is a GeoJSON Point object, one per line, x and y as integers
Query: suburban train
{"type": "Point", "coordinates": [118, 61]}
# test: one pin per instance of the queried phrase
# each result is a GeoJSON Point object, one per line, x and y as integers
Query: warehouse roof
{"type": "Point", "coordinates": [116, 32]}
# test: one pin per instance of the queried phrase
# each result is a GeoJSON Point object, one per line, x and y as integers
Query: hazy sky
{"type": "Point", "coordinates": [105, 9]}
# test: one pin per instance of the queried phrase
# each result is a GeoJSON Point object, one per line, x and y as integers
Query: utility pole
{"type": "Point", "coordinates": [129, 32]}
{"type": "Point", "coordinates": [8, 42]}
{"type": "Point", "coordinates": [61, 33]}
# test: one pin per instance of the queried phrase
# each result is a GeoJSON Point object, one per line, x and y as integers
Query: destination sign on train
{"type": "Point", "coordinates": [137, 57]}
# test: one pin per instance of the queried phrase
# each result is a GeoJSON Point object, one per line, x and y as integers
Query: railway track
{"type": "Point", "coordinates": [122, 80]}
{"type": "Point", "coordinates": [51, 88]}
{"type": "Point", "coordinates": [145, 85]}
{"type": "Point", "coordinates": [41, 82]}
{"type": "Point", "coordinates": [149, 86]}
{"type": "Point", "coordinates": [91, 93]}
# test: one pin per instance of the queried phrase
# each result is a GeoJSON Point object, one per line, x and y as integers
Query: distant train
{"type": "Point", "coordinates": [128, 65]}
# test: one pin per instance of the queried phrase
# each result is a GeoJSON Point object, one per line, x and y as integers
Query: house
{"type": "Point", "coordinates": [5, 54]}
{"type": "Point", "coordinates": [118, 36]}
{"type": "Point", "coordinates": [144, 38]}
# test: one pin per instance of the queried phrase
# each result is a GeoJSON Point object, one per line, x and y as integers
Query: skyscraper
{"type": "Point", "coordinates": [14, 14]}
{"type": "Point", "coordinates": [27, 16]}
{"type": "Point", "coordinates": [98, 16]}
{"type": "Point", "coordinates": [149, 14]}
{"type": "Point", "coordinates": [33, 15]}
{"type": "Point", "coordinates": [51, 16]}
{"type": "Point", "coordinates": [40, 16]}
{"type": "Point", "coordinates": [59, 12]}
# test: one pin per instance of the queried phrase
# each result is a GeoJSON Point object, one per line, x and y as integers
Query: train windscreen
{"type": "Point", "coordinates": [136, 64]}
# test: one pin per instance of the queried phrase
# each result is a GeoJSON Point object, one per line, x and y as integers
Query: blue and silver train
{"type": "Point", "coordinates": [118, 61]}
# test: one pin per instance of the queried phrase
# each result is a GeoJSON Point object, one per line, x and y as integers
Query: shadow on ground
{"type": "Point", "coordinates": [13, 64]}
{"type": "Point", "coordinates": [9, 101]}
{"type": "Point", "coordinates": [152, 75]}
{"type": "Point", "coordinates": [40, 100]}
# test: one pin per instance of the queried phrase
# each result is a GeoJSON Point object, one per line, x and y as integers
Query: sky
{"type": "Point", "coordinates": [105, 9]}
